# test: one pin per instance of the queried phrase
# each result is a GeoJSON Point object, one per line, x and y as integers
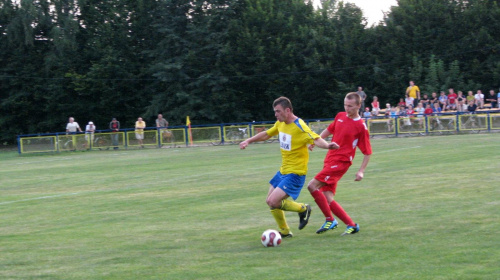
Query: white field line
{"type": "Point", "coordinates": [394, 150]}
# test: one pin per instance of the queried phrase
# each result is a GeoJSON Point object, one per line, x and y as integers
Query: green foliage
{"type": "Point", "coordinates": [227, 60]}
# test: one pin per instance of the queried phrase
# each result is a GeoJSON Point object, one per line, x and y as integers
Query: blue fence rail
{"type": "Point", "coordinates": [233, 133]}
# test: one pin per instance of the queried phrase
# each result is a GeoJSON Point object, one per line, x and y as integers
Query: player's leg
{"type": "Point", "coordinates": [340, 213]}
{"type": "Point", "coordinates": [315, 188]}
{"type": "Point", "coordinates": [274, 198]}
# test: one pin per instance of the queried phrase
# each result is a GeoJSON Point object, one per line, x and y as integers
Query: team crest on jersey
{"type": "Point", "coordinates": [285, 141]}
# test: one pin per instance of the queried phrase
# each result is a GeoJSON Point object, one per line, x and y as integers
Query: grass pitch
{"type": "Point", "coordinates": [429, 208]}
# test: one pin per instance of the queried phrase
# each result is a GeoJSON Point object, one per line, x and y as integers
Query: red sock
{"type": "Point", "coordinates": [341, 214]}
{"type": "Point", "coordinates": [322, 203]}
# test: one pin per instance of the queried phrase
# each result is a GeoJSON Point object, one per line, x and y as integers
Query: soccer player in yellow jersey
{"type": "Point", "coordinates": [294, 137]}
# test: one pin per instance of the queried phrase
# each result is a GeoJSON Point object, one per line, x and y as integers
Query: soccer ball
{"type": "Point", "coordinates": [271, 238]}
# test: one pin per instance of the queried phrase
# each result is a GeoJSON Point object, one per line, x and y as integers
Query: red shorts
{"type": "Point", "coordinates": [331, 174]}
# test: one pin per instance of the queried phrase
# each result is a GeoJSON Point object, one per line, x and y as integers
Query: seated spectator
{"type": "Point", "coordinates": [387, 112]}
{"type": "Point", "coordinates": [452, 100]}
{"type": "Point", "coordinates": [420, 114]}
{"type": "Point", "coordinates": [366, 113]}
{"type": "Point", "coordinates": [409, 110]}
{"type": "Point", "coordinates": [469, 97]}
{"type": "Point", "coordinates": [409, 100]}
{"type": "Point", "coordinates": [479, 97]}
{"type": "Point", "coordinates": [472, 107]}
{"type": "Point", "coordinates": [436, 109]}
{"type": "Point", "coordinates": [498, 99]}
{"type": "Point", "coordinates": [428, 110]}
{"type": "Point", "coordinates": [461, 102]}
{"type": "Point", "coordinates": [491, 99]}
{"type": "Point", "coordinates": [375, 106]}
{"type": "Point", "coordinates": [425, 100]}
{"type": "Point", "coordinates": [401, 103]}
{"type": "Point", "coordinates": [434, 98]}
{"type": "Point", "coordinates": [443, 100]}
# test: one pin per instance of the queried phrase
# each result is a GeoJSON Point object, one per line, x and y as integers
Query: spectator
{"type": "Point", "coordinates": [414, 92]}
{"type": "Point", "coordinates": [401, 103]}
{"type": "Point", "coordinates": [479, 97]}
{"type": "Point", "coordinates": [443, 100]}
{"type": "Point", "coordinates": [461, 102]}
{"type": "Point", "coordinates": [72, 126]}
{"type": "Point", "coordinates": [375, 106]}
{"type": "Point", "coordinates": [472, 107]}
{"type": "Point", "coordinates": [409, 110]}
{"type": "Point", "coordinates": [436, 109]}
{"type": "Point", "coordinates": [452, 99]}
{"type": "Point", "coordinates": [367, 113]}
{"type": "Point", "coordinates": [387, 111]}
{"type": "Point", "coordinates": [114, 126]}
{"type": "Point", "coordinates": [425, 100]}
{"type": "Point", "coordinates": [89, 132]}
{"type": "Point", "coordinates": [409, 101]}
{"type": "Point", "coordinates": [470, 96]}
{"type": "Point", "coordinates": [428, 110]}
{"type": "Point", "coordinates": [139, 131]}
{"type": "Point", "coordinates": [420, 113]}
{"type": "Point", "coordinates": [491, 99]}
{"type": "Point", "coordinates": [362, 94]}
{"type": "Point", "coordinates": [162, 125]}
{"type": "Point", "coordinates": [498, 99]}
{"type": "Point", "coordinates": [434, 98]}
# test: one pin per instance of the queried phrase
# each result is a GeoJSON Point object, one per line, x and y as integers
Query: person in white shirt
{"type": "Point", "coordinates": [72, 126]}
{"type": "Point", "coordinates": [89, 130]}
{"type": "Point", "coordinates": [479, 98]}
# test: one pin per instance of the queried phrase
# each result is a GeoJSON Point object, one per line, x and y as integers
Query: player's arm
{"type": "Point", "coordinates": [361, 171]}
{"type": "Point", "coordinates": [261, 136]}
{"type": "Point", "coordinates": [320, 142]}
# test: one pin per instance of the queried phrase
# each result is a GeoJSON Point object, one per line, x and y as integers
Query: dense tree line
{"type": "Point", "coordinates": [226, 60]}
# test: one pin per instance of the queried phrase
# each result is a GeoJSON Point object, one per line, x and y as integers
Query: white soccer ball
{"type": "Point", "coordinates": [271, 238]}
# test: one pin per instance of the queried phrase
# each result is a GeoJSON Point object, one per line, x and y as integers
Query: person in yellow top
{"type": "Point", "coordinates": [294, 136]}
{"type": "Point", "coordinates": [139, 131]}
{"type": "Point", "coordinates": [413, 91]}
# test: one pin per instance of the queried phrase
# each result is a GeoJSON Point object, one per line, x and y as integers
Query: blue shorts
{"type": "Point", "coordinates": [291, 183]}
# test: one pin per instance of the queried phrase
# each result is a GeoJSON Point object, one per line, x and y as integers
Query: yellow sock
{"type": "Point", "coordinates": [290, 205]}
{"type": "Point", "coordinates": [279, 216]}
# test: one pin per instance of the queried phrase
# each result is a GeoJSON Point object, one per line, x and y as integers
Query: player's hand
{"type": "Point", "coordinates": [359, 176]}
{"type": "Point", "coordinates": [333, 146]}
{"type": "Point", "coordinates": [311, 147]}
{"type": "Point", "coordinates": [243, 144]}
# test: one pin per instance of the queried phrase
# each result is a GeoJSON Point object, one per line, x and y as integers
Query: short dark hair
{"type": "Point", "coordinates": [284, 102]}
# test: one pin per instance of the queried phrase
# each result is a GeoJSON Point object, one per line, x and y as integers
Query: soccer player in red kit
{"type": "Point", "coordinates": [349, 131]}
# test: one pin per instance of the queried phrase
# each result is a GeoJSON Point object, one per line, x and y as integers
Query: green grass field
{"type": "Point", "coordinates": [429, 208]}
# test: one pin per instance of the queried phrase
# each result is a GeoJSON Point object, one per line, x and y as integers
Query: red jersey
{"type": "Point", "coordinates": [452, 97]}
{"type": "Point", "coordinates": [428, 111]}
{"type": "Point", "coordinates": [348, 134]}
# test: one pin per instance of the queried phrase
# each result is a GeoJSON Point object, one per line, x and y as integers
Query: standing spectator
{"type": "Point", "coordinates": [414, 92]}
{"type": "Point", "coordinates": [294, 136]}
{"type": "Point", "coordinates": [452, 99]}
{"type": "Point", "coordinates": [479, 97]}
{"type": "Point", "coordinates": [349, 131]}
{"type": "Point", "coordinates": [375, 106]}
{"type": "Point", "coordinates": [89, 132]}
{"type": "Point", "coordinates": [162, 125]}
{"type": "Point", "coordinates": [139, 131]}
{"type": "Point", "coordinates": [114, 126]}
{"type": "Point", "coordinates": [443, 101]}
{"type": "Point", "coordinates": [361, 94]}
{"type": "Point", "coordinates": [472, 107]}
{"type": "Point", "coordinates": [498, 99]}
{"type": "Point", "coordinates": [491, 99]}
{"type": "Point", "coordinates": [72, 126]}
{"type": "Point", "coordinates": [461, 101]}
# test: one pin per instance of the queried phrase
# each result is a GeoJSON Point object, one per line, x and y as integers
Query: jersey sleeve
{"type": "Point", "coordinates": [364, 141]}
{"type": "Point", "coordinates": [273, 131]}
{"type": "Point", "coordinates": [310, 135]}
